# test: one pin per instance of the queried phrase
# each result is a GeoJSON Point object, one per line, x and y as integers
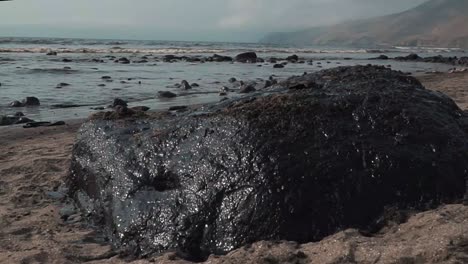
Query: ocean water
{"type": "Point", "coordinates": [26, 70]}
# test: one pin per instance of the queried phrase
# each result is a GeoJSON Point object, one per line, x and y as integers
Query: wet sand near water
{"type": "Point", "coordinates": [454, 85]}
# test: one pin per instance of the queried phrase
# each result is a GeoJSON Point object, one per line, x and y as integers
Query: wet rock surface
{"type": "Point", "coordinates": [247, 57]}
{"type": "Point", "coordinates": [410, 242]}
{"type": "Point", "coordinates": [185, 85]}
{"type": "Point", "coordinates": [461, 61]}
{"type": "Point", "coordinates": [119, 102]}
{"type": "Point", "coordinates": [304, 159]}
{"type": "Point", "coordinates": [166, 94]}
{"type": "Point", "coordinates": [7, 120]}
{"type": "Point", "coordinates": [121, 111]}
{"type": "Point", "coordinates": [28, 101]}
{"type": "Point", "coordinates": [43, 124]}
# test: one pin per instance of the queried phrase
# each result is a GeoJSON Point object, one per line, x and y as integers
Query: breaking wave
{"type": "Point", "coordinates": [111, 50]}
{"type": "Point", "coordinates": [44, 45]}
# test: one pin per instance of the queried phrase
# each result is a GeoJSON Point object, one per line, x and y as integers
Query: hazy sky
{"type": "Point", "coordinates": [230, 20]}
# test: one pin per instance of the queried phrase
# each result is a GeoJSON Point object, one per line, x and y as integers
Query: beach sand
{"type": "Point", "coordinates": [454, 85]}
{"type": "Point", "coordinates": [34, 162]}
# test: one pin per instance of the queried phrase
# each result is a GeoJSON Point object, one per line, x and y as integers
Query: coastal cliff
{"type": "Point", "coordinates": [436, 23]}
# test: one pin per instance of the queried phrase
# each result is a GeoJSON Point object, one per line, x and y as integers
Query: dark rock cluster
{"type": "Point", "coordinates": [121, 110]}
{"type": "Point", "coordinates": [304, 159]}
{"type": "Point", "coordinates": [462, 61]}
{"type": "Point", "coordinates": [247, 57]}
{"type": "Point", "coordinates": [28, 101]}
{"type": "Point", "coordinates": [17, 118]}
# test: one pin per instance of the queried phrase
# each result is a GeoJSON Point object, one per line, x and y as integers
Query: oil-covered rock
{"type": "Point", "coordinates": [297, 161]}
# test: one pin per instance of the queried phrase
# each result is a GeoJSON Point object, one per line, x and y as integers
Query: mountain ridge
{"type": "Point", "coordinates": [445, 28]}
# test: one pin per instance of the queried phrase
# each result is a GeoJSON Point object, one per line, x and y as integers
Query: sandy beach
{"type": "Point", "coordinates": [34, 163]}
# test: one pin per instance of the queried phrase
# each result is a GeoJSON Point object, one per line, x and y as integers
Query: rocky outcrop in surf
{"type": "Point", "coordinates": [28, 101]}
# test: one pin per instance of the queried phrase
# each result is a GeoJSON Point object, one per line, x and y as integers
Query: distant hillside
{"type": "Point", "coordinates": [436, 23]}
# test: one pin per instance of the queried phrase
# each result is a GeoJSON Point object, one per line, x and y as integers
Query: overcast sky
{"type": "Point", "coordinates": [219, 20]}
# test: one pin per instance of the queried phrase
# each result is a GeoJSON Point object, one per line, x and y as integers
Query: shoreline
{"type": "Point", "coordinates": [34, 162]}
{"type": "Point", "coordinates": [137, 79]}
{"type": "Point", "coordinates": [12, 134]}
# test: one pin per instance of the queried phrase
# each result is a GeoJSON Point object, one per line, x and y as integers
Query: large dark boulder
{"type": "Point", "coordinates": [219, 58]}
{"type": "Point", "coordinates": [410, 57]}
{"type": "Point", "coordinates": [312, 155]}
{"type": "Point", "coordinates": [292, 58]}
{"type": "Point", "coordinates": [31, 101]}
{"type": "Point", "coordinates": [28, 101]}
{"type": "Point", "coordinates": [247, 57]}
